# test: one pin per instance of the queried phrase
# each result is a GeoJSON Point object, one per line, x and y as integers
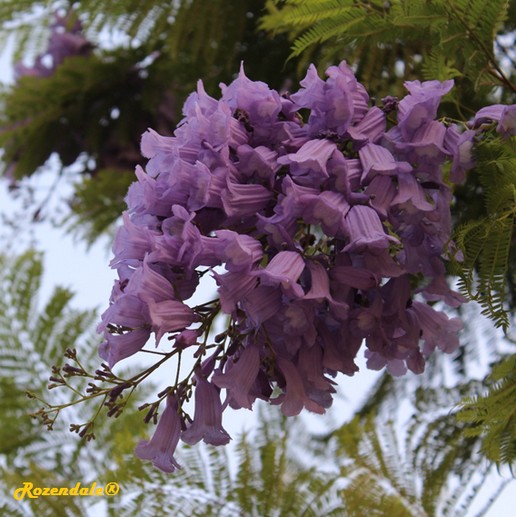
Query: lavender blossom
{"type": "Point", "coordinates": [420, 107]}
{"type": "Point", "coordinates": [504, 114]}
{"type": "Point", "coordinates": [460, 146]}
{"type": "Point", "coordinates": [239, 377]}
{"type": "Point", "coordinates": [366, 230]}
{"type": "Point", "coordinates": [66, 40]}
{"type": "Point", "coordinates": [161, 447]}
{"type": "Point", "coordinates": [207, 423]}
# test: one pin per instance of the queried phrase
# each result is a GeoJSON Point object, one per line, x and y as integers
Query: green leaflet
{"type": "Point", "coordinates": [492, 416]}
{"type": "Point", "coordinates": [487, 272]}
{"type": "Point", "coordinates": [138, 20]}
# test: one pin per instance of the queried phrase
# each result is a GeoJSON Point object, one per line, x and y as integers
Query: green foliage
{"type": "Point", "coordinates": [434, 445]}
{"type": "Point", "coordinates": [411, 470]}
{"type": "Point", "coordinates": [70, 113]}
{"type": "Point", "coordinates": [91, 114]}
{"type": "Point", "coordinates": [487, 272]}
{"type": "Point", "coordinates": [435, 39]}
{"type": "Point", "coordinates": [31, 338]}
{"type": "Point", "coordinates": [277, 484]}
{"type": "Point", "coordinates": [492, 416]}
{"type": "Point", "coordinates": [17, 22]}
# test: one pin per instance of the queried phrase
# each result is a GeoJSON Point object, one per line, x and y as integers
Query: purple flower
{"type": "Point", "coordinates": [237, 252]}
{"type": "Point", "coordinates": [421, 105]}
{"type": "Point", "coordinates": [376, 361]}
{"type": "Point", "coordinates": [149, 285]}
{"type": "Point", "coordinates": [411, 195]}
{"type": "Point", "coordinates": [120, 346]}
{"type": "Point", "coordinates": [234, 287]}
{"type": "Point", "coordinates": [381, 192]}
{"type": "Point", "coordinates": [132, 243]}
{"type": "Point", "coordinates": [439, 331]}
{"type": "Point", "coordinates": [507, 124]}
{"type": "Point", "coordinates": [505, 115]}
{"type": "Point", "coordinates": [294, 202]}
{"type": "Point", "coordinates": [366, 230]}
{"type": "Point", "coordinates": [241, 200]}
{"type": "Point", "coordinates": [284, 270]}
{"type": "Point", "coordinates": [208, 128]}
{"type": "Point", "coordinates": [261, 303]}
{"type": "Point", "coordinates": [65, 41]}
{"type": "Point", "coordinates": [312, 94]}
{"type": "Point", "coordinates": [207, 422]}
{"type": "Point", "coordinates": [319, 282]}
{"type": "Point", "coordinates": [355, 277]}
{"type": "Point", "coordinates": [258, 162]}
{"type": "Point", "coordinates": [161, 447]}
{"type": "Point", "coordinates": [295, 397]}
{"type": "Point", "coordinates": [261, 104]}
{"type": "Point", "coordinates": [239, 377]}
{"type": "Point", "coordinates": [427, 144]}
{"type": "Point", "coordinates": [161, 150]}
{"type": "Point", "coordinates": [180, 242]}
{"type": "Point", "coordinates": [340, 347]}
{"type": "Point", "coordinates": [347, 173]}
{"type": "Point", "coordinates": [334, 104]}
{"type": "Point", "coordinates": [126, 327]}
{"type": "Point", "coordinates": [64, 44]}
{"type": "Point", "coordinates": [329, 209]}
{"type": "Point", "coordinates": [370, 129]}
{"type": "Point", "coordinates": [126, 311]}
{"type": "Point", "coordinates": [376, 159]}
{"type": "Point", "coordinates": [187, 338]}
{"type": "Point", "coordinates": [460, 146]}
{"type": "Point", "coordinates": [298, 322]}
{"type": "Point", "coordinates": [346, 99]}
{"type": "Point", "coordinates": [308, 165]}
{"type": "Point", "coordinates": [169, 316]}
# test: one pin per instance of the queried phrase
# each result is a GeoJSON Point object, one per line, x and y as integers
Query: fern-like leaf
{"type": "Point", "coordinates": [492, 416]}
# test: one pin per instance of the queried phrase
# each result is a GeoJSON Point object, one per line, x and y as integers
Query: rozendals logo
{"type": "Point", "coordinates": [29, 490]}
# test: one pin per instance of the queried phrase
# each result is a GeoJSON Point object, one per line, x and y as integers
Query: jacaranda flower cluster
{"type": "Point", "coordinates": [325, 226]}
{"type": "Point", "coordinates": [66, 40]}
